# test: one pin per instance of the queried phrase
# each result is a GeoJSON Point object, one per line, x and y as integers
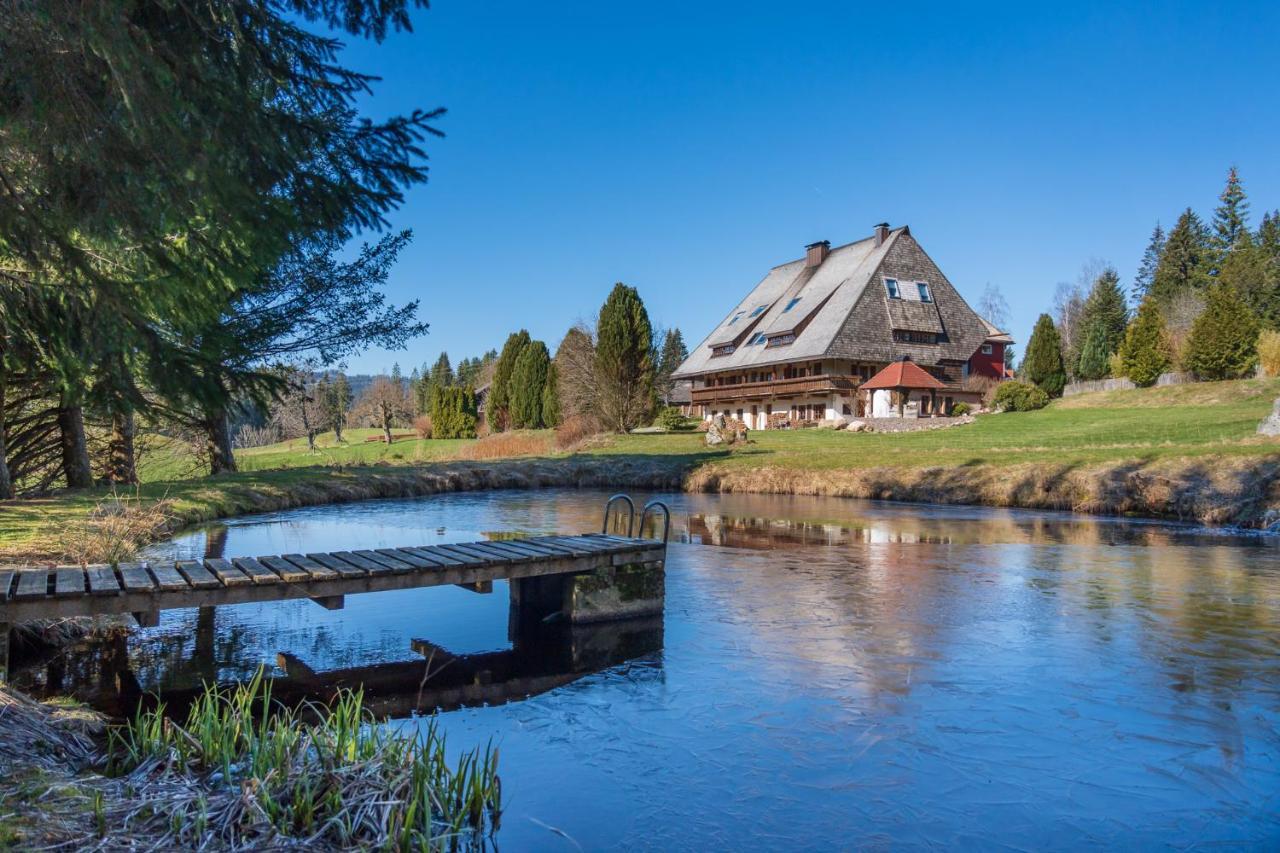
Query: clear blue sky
{"type": "Point", "coordinates": [684, 148]}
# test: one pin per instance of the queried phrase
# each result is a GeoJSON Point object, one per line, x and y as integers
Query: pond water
{"type": "Point", "coordinates": [827, 673]}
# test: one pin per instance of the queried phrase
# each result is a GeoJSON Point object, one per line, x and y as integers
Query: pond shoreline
{"type": "Point", "coordinates": [1237, 491]}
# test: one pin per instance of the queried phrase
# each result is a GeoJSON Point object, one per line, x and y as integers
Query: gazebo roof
{"type": "Point", "coordinates": [902, 374]}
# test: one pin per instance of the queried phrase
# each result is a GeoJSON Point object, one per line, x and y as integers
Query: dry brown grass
{"type": "Point", "coordinates": [114, 530]}
{"type": "Point", "coordinates": [1269, 352]}
{"type": "Point", "coordinates": [505, 445]}
{"type": "Point", "coordinates": [422, 426]}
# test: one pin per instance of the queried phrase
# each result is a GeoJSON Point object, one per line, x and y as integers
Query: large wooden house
{"type": "Point", "coordinates": [816, 338]}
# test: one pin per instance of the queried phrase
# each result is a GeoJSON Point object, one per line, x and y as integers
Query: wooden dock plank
{"type": "Point", "coordinates": [547, 545]}
{"type": "Point", "coordinates": [68, 580]}
{"type": "Point", "coordinates": [342, 567]}
{"type": "Point", "coordinates": [6, 581]}
{"type": "Point", "coordinates": [257, 572]}
{"type": "Point", "coordinates": [534, 549]}
{"type": "Point", "coordinates": [226, 573]}
{"type": "Point", "coordinates": [136, 578]}
{"type": "Point", "coordinates": [197, 575]}
{"type": "Point", "coordinates": [32, 583]}
{"type": "Point", "coordinates": [471, 558]}
{"type": "Point", "coordinates": [361, 561]}
{"type": "Point", "coordinates": [512, 550]}
{"type": "Point", "coordinates": [287, 571]}
{"type": "Point", "coordinates": [315, 570]}
{"type": "Point", "coordinates": [405, 557]}
{"type": "Point", "coordinates": [167, 577]}
{"type": "Point", "coordinates": [102, 580]}
{"type": "Point", "coordinates": [433, 554]}
{"type": "Point", "coordinates": [389, 564]}
{"type": "Point", "coordinates": [578, 547]}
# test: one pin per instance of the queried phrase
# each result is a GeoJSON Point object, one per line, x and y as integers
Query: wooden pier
{"type": "Point", "coordinates": [588, 578]}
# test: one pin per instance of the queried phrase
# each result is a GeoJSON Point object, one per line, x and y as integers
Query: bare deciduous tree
{"type": "Point", "coordinates": [575, 371]}
{"type": "Point", "coordinates": [385, 404]}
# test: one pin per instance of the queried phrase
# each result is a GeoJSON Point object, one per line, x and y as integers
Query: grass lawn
{"type": "Point", "coordinates": [1191, 421]}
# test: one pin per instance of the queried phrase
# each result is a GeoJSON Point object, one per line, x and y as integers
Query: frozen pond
{"type": "Point", "coordinates": [828, 673]}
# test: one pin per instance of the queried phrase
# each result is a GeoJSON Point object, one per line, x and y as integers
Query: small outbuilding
{"type": "Point", "coordinates": [902, 385]}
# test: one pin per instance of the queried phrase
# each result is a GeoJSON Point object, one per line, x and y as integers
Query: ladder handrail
{"type": "Point", "coordinates": [666, 515]}
{"type": "Point", "coordinates": [631, 513]}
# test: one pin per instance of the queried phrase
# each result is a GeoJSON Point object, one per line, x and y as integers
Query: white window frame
{"type": "Point", "coordinates": [926, 295]}
{"type": "Point", "coordinates": [892, 288]}
{"type": "Point", "coordinates": [988, 349]}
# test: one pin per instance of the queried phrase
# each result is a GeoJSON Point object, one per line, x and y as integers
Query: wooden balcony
{"type": "Point", "coordinates": [803, 386]}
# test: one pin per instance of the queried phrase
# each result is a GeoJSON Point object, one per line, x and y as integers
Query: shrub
{"type": "Point", "coordinates": [1269, 352]}
{"type": "Point", "coordinates": [1020, 397]}
{"type": "Point", "coordinates": [453, 413]}
{"type": "Point", "coordinates": [1146, 351]}
{"type": "Point", "coordinates": [422, 426]}
{"type": "Point", "coordinates": [575, 429]}
{"type": "Point", "coordinates": [959, 410]}
{"type": "Point", "coordinates": [670, 419]}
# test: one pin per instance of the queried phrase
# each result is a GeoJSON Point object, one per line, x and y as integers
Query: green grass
{"type": "Point", "coordinates": [1191, 421]}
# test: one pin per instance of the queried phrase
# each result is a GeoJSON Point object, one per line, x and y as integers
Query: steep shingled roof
{"type": "Point", "coordinates": [901, 374]}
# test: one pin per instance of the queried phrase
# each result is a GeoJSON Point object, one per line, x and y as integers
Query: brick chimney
{"type": "Point", "coordinates": [882, 234]}
{"type": "Point", "coordinates": [816, 253]}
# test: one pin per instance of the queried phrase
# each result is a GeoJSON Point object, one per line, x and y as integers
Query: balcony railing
{"type": "Point", "coordinates": [826, 384]}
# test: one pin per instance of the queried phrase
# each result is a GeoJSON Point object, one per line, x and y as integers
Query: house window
{"type": "Point", "coordinates": [759, 309]}
{"type": "Point", "coordinates": [791, 304]}
{"type": "Point", "coordinates": [727, 349]}
{"type": "Point", "coordinates": [924, 291]}
{"type": "Point", "coordinates": [891, 286]}
{"type": "Point", "coordinates": [986, 349]}
{"type": "Point", "coordinates": [736, 317]}
{"type": "Point", "coordinates": [781, 340]}
{"type": "Point", "coordinates": [760, 338]}
{"type": "Point", "coordinates": [910, 337]}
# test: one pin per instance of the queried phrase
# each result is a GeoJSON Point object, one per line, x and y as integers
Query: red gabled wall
{"type": "Point", "coordinates": [981, 364]}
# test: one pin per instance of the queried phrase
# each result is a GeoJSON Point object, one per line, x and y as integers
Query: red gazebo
{"type": "Point", "coordinates": [905, 376]}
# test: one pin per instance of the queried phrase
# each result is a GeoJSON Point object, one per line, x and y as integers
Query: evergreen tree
{"type": "Point", "coordinates": [1231, 218]}
{"type": "Point", "coordinates": [1146, 351]}
{"type": "Point", "coordinates": [1184, 263]}
{"type": "Point", "coordinates": [337, 404]}
{"type": "Point", "coordinates": [551, 397]}
{"type": "Point", "coordinates": [528, 380]}
{"type": "Point", "coordinates": [1147, 268]}
{"type": "Point", "coordinates": [624, 360]}
{"type": "Point", "coordinates": [1255, 276]}
{"type": "Point", "coordinates": [442, 372]}
{"type": "Point", "coordinates": [1224, 338]}
{"type": "Point", "coordinates": [453, 412]}
{"type": "Point", "coordinates": [671, 355]}
{"type": "Point", "coordinates": [1042, 365]}
{"type": "Point", "coordinates": [500, 391]}
{"type": "Point", "coordinates": [1094, 357]}
{"type": "Point", "coordinates": [1105, 314]}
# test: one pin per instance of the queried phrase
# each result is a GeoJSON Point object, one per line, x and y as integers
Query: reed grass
{"type": "Point", "coordinates": [243, 771]}
{"type": "Point", "coordinates": [113, 531]}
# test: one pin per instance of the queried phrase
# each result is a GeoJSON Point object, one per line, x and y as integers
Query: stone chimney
{"type": "Point", "coordinates": [882, 234]}
{"type": "Point", "coordinates": [816, 253]}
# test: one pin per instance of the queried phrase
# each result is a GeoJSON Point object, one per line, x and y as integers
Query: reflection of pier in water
{"type": "Point", "coordinates": [765, 534]}
{"type": "Point", "coordinates": [542, 657]}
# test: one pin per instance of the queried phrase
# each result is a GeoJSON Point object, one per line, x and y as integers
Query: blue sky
{"type": "Point", "coordinates": [685, 148]}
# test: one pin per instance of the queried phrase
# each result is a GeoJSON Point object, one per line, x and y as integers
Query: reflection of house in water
{"type": "Point", "coordinates": [772, 533]}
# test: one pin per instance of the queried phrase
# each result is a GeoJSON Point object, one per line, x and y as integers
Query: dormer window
{"type": "Point", "coordinates": [791, 304]}
{"type": "Point", "coordinates": [727, 349]}
{"type": "Point", "coordinates": [781, 340]}
{"type": "Point", "coordinates": [925, 296]}
{"type": "Point", "coordinates": [891, 287]}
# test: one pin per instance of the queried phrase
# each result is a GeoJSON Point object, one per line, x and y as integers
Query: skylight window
{"type": "Point", "coordinates": [924, 292]}
{"type": "Point", "coordinates": [760, 338]}
{"type": "Point", "coordinates": [891, 287]}
{"type": "Point", "coordinates": [759, 309]}
{"type": "Point", "coordinates": [736, 317]}
{"type": "Point", "coordinates": [791, 304]}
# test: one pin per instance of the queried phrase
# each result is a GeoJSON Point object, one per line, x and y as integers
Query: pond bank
{"type": "Point", "coordinates": [1236, 490]}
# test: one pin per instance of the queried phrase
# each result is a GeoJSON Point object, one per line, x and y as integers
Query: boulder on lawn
{"type": "Point", "coordinates": [718, 432]}
{"type": "Point", "coordinates": [858, 426]}
{"type": "Point", "coordinates": [1271, 423]}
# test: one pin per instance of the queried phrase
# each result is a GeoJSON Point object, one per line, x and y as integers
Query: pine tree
{"type": "Point", "coordinates": [453, 413]}
{"type": "Point", "coordinates": [442, 372]}
{"type": "Point", "coordinates": [1106, 314]}
{"type": "Point", "coordinates": [500, 391]}
{"type": "Point", "coordinates": [624, 359]}
{"type": "Point", "coordinates": [1094, 356]}
{"type": "Point", "coordinates": [528, 379]}
{"type": "Point", "coordinates": [1255, 276]}
{"type": "Point", "coordinates": [1185, 261]}
{"type": "Point", "coordinates": [338, 404]}
{"type": "Point", "coordinates": [1146, 351]}
{"type": "Point", "coordinates": [1042, 365]}
{"type": "Point", "coordinates": [551, 397]}
{"type": "Point", "coordinates": [1231, 218]}
{"type": "Point", "coordinates": [670, 357]}
{"type": "Point", "coordinates": [1224, 338]}
{"type": "Point", "coordinates": [1147, 268]}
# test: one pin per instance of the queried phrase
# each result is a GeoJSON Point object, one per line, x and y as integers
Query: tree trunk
{"type": "Point", "coordinates": [123, 468]}
{"type": "Point", "coordinates": [218, 435]}
{"type": "Point", "coordinates": [6, 481]}
{"type": "Point", "coordinates": [386, 423]}
{"type": "Point", "coordinates": [337, 432]}
{"type": "Point", "coordinates": [75, 452]}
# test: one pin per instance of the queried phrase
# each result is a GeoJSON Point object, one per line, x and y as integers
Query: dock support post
{"type": "Point", "coordinates": [609, 593]}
